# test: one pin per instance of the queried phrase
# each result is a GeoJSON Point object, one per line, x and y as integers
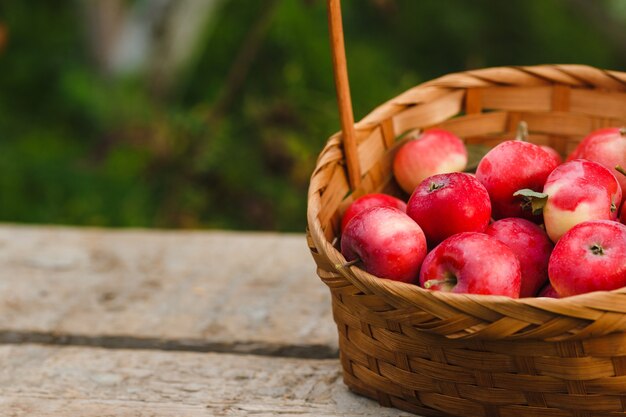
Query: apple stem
{"type": "Point", "coordinates": [597, 250]}
{"type": "Point", "coordinates": [351, 263]}
{"type": "Point", "coordinates": [415, 134]}
{"type": "Point", "coordinates": [620, 169]}
{"type": "Point", "coordinates": [622, 131]}
{"type": "Point", "coordinates": [434, 186]}
{"type": "Point", "coordinates": [532, 200]}
{"type": "Point", "coordinates": [432, 282]}
{"type": "Point", "coordinates": [522, 131]}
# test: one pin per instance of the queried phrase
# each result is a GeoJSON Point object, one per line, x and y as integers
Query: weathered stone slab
{"type": "Point", "coordinates": [207, 291]}
{"type": "Point", "coordinates": [53, 381]}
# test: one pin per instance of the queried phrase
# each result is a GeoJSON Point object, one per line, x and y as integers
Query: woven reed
{"type": "Point", "coordinates": [435, 353]}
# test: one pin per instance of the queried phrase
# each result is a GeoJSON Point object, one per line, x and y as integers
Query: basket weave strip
{"type": "Point", "coordinates": [436, 353]}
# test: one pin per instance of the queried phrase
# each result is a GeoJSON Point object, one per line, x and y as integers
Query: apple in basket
{"type": "Point", "coordinates": [509, 167]}
{"type": "Point", "coordinates": [447, 204]}
{"type": "Point", "coordinates": [607, 147]}
{"type": "Point", "coordinates": [577, 191]}
{"type": "Point", "coordinates": [548, 291]}
{"type": "Point", "coordinates": [531, 245]}
{"type": "Point", "coordinates": [553, 153]}
{"type": "Point", "coordinates": [385, 242]}
{"type": "Point", "coordinates": [589, 257]}
{"type": "Point", "coordinates": [435, 151]}
{"type": "Point", "coordinates": [472, 263]}
{"type": "Point", "coordinates": [370, 200]}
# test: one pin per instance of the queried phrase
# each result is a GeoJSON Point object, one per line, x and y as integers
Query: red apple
{"type": "Point", "coordinates": [578, 191]}
{"type": "Point", "coordinates": [553, 153]}
{"type": "Point", "coordinates": [531, 245]}
{"type": "Point", "coordinates": [447, 204]}
{"type": "Point", "coordinates": [509, 167]}
{"type": "Point", "coordinates": [385, 242]}
{"type": "Point", "coordinates": [622, 173]}
{"type": "Point", "coordinates": [370, 200]}
{"type": "Point", "coordinates": [589, 257]}
{"type": "Point", "coordinates": [607, 147]}
{"type": "Point", "coordinates": [472, 263]}
{"type": "Point", "coordinates": [436, 151]}
{"type": "Point", "coordinates": [548, 291]}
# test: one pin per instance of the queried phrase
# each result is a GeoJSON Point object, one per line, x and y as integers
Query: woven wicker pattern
{"type": "Point", "coordinates": [435, 353]}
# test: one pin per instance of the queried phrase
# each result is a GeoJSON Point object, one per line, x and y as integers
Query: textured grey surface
{"type": "Point", "coordinates": [222, 291]}
{"type": "Point", "coordinates": [84, 381]}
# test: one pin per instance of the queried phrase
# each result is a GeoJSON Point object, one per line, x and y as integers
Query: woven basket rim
{"type": "Point", "coordinates": [388, 287]}
{"type": "Point", "coordinates": [458, 80]}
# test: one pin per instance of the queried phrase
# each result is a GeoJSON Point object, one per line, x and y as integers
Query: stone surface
{"type": "Point", "coordinates": [55, 381]}
{"type": "Point", "coordinates": [207, 291]}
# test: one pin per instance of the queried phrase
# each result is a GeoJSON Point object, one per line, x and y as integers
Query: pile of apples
{"type": "Point", "coordinates": [525, 224]}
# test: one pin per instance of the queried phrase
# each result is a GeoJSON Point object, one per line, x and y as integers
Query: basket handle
{"type": "Point", "coordinates": [342, 85]}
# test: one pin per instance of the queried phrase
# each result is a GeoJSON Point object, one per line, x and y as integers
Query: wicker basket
{"type": "Point", "coordinates": [436, 353]}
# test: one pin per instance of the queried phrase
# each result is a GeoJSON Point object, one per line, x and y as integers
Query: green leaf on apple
{"type": "Point", "coordinates": [532, 200]}
{"type": "Point", "coordinates": [475, 152]}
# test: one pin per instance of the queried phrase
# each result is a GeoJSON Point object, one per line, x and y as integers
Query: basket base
{"type": "Point", "coordinates": [394, 402]}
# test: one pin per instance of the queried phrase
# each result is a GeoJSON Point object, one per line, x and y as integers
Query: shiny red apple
{"type": "Point", "coordinates": [447, 204]}
{"type": "Point", "coordinates": [606, 146]}
{"type": "Point", "coordinates": [370, 200]}
{"type": "Point", "coordinates": [385, 242]}
{"type": "Point", "coordinates": [472, 263]}
{"type": "Point", "coordinates": [435, 151]}
{"type": "Point", "coordinates": [553, 153]}
{"type": "Point", "coordinates": [531, 245]}
{"type": "Point", "coordinates": [548, 291]}
{"type": "Point", "coordinates": [589, 257]}
{"type": "Point", "coordinates": [578, 191]}
{"type": "Point", "coordinates": [509, 167]}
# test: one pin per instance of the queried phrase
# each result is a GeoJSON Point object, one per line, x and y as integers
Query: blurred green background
{"type": "Point", "coordinates": [211, 113]}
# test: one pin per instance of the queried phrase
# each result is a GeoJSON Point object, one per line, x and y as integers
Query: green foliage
{"type": "Point", "coordinates": [80, 148]}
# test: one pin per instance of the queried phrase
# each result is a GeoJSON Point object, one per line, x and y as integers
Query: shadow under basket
{"type": "Point", "coordinates": [435, 353]}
